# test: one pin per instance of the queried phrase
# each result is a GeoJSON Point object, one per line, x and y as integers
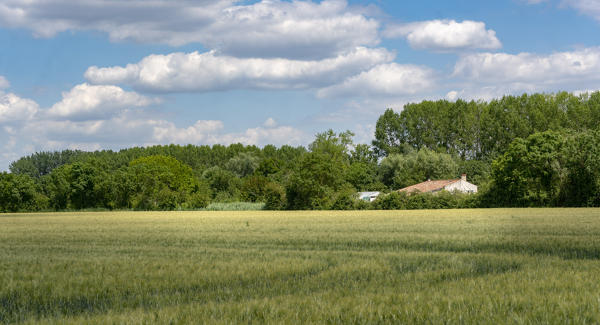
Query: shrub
{"type": "Point", "coordinates": [345, 199]}
{"type": "Point", "coordinates": [275, 198]}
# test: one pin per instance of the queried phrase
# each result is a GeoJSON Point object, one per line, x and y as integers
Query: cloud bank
{"type": "Point", "coordinates": [273, 28]}
{"type": "Point", "coordinates": [205, 72]}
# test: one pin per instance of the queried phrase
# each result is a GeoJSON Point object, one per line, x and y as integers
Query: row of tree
{"type": "Point", "coordinates": [532, 150]}
{"type": "Point", "coordinates": [483, 130]}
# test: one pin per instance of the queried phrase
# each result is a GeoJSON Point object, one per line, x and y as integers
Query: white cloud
{"type": "Point", "coordinates": [585, 7]}
{"type": "Point", "coordinates": [452, 95]}
{"type": "Point", "coordinates": [298, 29]}
{"type": "Point", "coordinates": [278, 136]}
{"type": "Point", "coordinates": [557, 69]}
{"type": "Point", "coordinates": [201, 132]}
{"type": "Point", "coordinates": [492, 75]}
{"type": "Point", "coordinates": [384, 80]}
{"type": "Point", "coordinates": [487, 93]}
{"type": "Point", "coordinates": [268, 28]}
{"type": "Point", "coordinates": [445, 35]}
{"type": "Point", "coordinates": [127, 130]}
{"type": "Point", "coordinates": [86, 101]}
{"type": "Point", "coordinates": [270, 123]}
{"type": "Point", "coordinates": [210, 132]}
{"type": "Point", "coordinates": [16, 109]}
{"type": "Point", "coordinates": [203, 72]}
{"type": "Point", "coordinates": [4, 83]}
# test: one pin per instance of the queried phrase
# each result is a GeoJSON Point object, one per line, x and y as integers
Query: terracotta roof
{"type": "Point", "coordinates": [429, 186]}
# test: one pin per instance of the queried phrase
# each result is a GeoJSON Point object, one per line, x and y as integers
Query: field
{"type": "Point", "coordinates": [520, 266]}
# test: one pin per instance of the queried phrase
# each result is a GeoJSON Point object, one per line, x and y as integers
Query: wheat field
{"type": "Point", "coordinates": [515, 266]}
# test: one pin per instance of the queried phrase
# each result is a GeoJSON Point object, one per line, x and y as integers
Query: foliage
{"type": "Point", "coordinates": [223, 182]}
{"type": "Point", "coordinates": [243, 164]}
{"type": "Point", "coordinates": [164, 183]}
{"type": "Point", "coordinates": [42, 163]}
{"type": "Point", "coordinates": [414, 201]}
{"type": "Point", "coordinates": [313, 183]}
{"type": "Point", "coordinates": [529, 150]}
{"type": "Point", "coordinates": [581, 153]}
{"type": "Point", "coordinates": [275, 198]}
{"type": "Point", "coordinates": [19, 193]}
{"type": "Point", "coordinates": [399, 171]}
{"type": "Point", "coordinates": [482, 130]}
{"type": "Point", "coordinates": [548, 169]}
{"type": "Point", "coordinates": [389, 134]}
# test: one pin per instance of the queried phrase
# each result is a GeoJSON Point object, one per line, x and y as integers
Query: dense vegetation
{"type": "Point", "coordinates": [530, 150]}
{"type": "Point", "coordinates": [492, 266]}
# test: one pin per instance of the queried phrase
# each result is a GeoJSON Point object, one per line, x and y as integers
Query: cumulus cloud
{"type": "Point", "coordinates": [4, 83]}
{"type": "Point", "coordinates": [203, 72]}
{"type": "Point", "coordinates": [272, 28]}
{"type": "Point", "coordinates": [586, 7]}
{"type": "Point", "coordinates": [128, 129]}
{"type": "Point", "coordinates": [384, 80]}
{"type": "Point", "coordinates": [557, 68]}
{"type": "Point", "coordinates": [445, 35]}
{"type": "Point", "coordinates": [91, 102]}
{"type": "Point", "coordinates": [209, 132]}
{"type": "Point", "coordinates": [16, 109]}
{"type": "Point", "coordinates": [493, 75]}
{"type": "Point", "coordinates": [201, 132]}
{"type": "Point", "coordinates": [270, 123]}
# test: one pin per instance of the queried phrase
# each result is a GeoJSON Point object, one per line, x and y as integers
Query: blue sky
{"type": "Point", "coordinates": [102, 74]}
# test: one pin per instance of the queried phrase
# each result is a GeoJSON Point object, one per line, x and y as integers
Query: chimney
{"type": "Point", "coordinates": [463, 177]}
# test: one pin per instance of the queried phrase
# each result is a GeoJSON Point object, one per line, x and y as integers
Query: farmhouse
{"type": "Point", "coordinates": [460, 185]}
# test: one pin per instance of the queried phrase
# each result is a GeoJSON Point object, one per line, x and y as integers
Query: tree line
{"type": "Point", "coordinates": [529, 150]}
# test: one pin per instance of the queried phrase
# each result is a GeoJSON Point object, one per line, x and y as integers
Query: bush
{"type": "Point", "coordinates": [415, 201]}
{"type": "Point", "coordinates": [197, 200]}
{"type": "Point", "coordinates": [275, 198]}
{"type": "Point", "coordinates": [345, 200]}
{"type": "Point", "coordinates": [391, 201]}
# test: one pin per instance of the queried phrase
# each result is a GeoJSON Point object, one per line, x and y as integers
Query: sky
{"type": "Point", "coordinates": [108, 74]}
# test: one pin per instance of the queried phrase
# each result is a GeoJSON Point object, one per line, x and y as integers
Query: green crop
{"type": "Point", "coordinates": [516, 266]}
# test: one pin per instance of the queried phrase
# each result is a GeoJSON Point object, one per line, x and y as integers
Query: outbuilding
{"type": "Point", "coordinates": [368, 196]}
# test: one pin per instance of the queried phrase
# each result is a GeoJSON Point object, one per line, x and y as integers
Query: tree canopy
{"type": "Point", "coordinates": [529, 150]}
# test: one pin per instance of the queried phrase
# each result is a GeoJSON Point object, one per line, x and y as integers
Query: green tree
{"type": "Point", "coordinates": [398, 171]}
{"type": "Point", "coordinates": [530, 172]}
{"type": "Point", "coordinates": [582, 184]}
{"type": "Point", "coordinates": [334, 145]}
{"type": "Point", "coordinates": [224, 184]}
{"type": "Point", "coordinates": [19, 193]}
{"type": "Point", "coordinates": [313, 183]}
{"type": "Point", "coordinates": [243, 164]}
{"type": "Point", "coordinates": [390, 134]}
{"type": "Point", "coordinates": [164, 183]}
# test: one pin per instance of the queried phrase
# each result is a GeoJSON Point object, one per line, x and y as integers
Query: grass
{"type": "Point", "coordinates": [519, 266]}
{"type": "Point", "coordinates": [235, 206]}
